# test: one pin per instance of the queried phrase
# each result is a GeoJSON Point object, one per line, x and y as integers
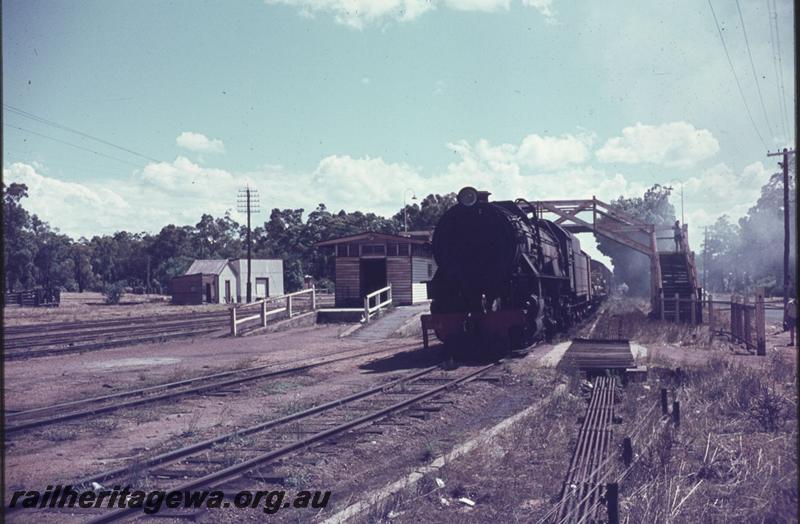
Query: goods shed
{"type": "Point", "coordinates": [224, 281]}
{"type": "Point", "coordinates": [369, 261]}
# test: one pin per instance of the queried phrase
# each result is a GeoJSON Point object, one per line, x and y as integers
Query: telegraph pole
{"type": "Point", "coordinates": [248, 203]}
{"type": "Point", "coordinates": [705, 260]}
{"type": "Point", "coordinates": [785, 165]}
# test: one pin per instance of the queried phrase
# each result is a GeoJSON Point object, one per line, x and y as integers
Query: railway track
{"type": "Point", "coordinates": [206, 464]}
{"type": "Point", "coordinates": [88, 407]}
{"type": "Point", "coordinates": [83, 325]}
{"type": "Point", "coordinates": [44, 340]}
{"type": "Point", "coordinates": [583, 493]}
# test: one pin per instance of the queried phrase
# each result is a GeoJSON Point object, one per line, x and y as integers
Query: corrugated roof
{"type": "Point", "coordinates": [207, 267]}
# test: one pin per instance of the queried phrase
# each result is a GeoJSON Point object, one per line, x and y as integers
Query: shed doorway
{"type": "Point", "coordinates": [373, 275]}
{"type": "Point", "coordinates": [209, 298]}
{"type": "Point", "coordinates": [262, 287]}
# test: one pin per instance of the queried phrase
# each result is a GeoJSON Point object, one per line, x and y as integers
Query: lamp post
{"type": "Point", "coordinates": [405, 211]}
{"type": "Point", "coordinates": [674, 180]}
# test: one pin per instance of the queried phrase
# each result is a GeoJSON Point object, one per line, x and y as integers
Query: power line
{"type": "Point", "coordinates": [52, 123]}
{"type": "Point", "coordinates": [781, 105]}
{"type": "Point", "coordinates": [71, 144]}
{"type": "Point", "coordinates": [780, 61]}
{"type": "Point", "coordinates": [735, 76]}
{"type": "Point", "coordinates": [753, 66]}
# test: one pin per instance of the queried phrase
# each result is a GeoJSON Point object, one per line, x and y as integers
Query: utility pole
{"type": "Point", "coordinates": [147, 286]}
{"type": "Point", "coordinates": [405, 211]}
{"type": "Point", "coordinates": [705, 259]}
{"type": "Point", "coordinates": [248, 203]}
{"type": "Point", "coordinates": [785, 165]}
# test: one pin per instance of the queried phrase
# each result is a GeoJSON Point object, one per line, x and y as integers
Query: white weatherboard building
{"type": "Point", "coordinates": [225, 281]}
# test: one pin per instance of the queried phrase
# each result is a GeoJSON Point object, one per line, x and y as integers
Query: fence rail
{"type": "Point", "coordinates": [290, 303]}
{"type": "Point", "coordinates": [380, 302]}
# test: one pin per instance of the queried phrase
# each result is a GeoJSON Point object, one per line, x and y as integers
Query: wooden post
{"type": "Point", "coordinates": [289, 305]}
{"type": "Point", "coordinates": [761, 342]}
{"type": "Point", "coordinates": [233, 321]}
{"type": "Point", "coordinates": [612, 502]}
{"type": "Point", "coordinates": [747, 331]}
{"type": "Point", "coordinates": [313, 298]}
{"type": "Point", "coordinates": [424, 321]}
{"type": "Point", "coordinates": [390, 293]}
{"type": "Point", "coordinates": [661, 296]}
{"type": "Point", "coordinates": [663, 401]}
{"type": "Point", "coordinates": [263, 312]}
{"type": "Point", "coordinates": [627, 451]}
{"type": "Point", "coordinates": [693, 314]}
{"type": "Point", "coordinates": [676, 413]}
{"type": "Point", "coordinates": [734, 312]}
{"type": "Point", "coordinates": [711, 313]}
{"type": "Point", "coordinates": [677, 308]}
{"type": "Point", "coordinates": [366, 310]}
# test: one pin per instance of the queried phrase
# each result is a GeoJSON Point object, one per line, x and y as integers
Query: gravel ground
{"type": "Point", "coordinates": [513, 479]}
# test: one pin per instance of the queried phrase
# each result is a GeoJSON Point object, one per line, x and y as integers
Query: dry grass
{"type": "Point", "coordinates": [90, 306]}
{"type": "Point", "coordinates": [734, 457]}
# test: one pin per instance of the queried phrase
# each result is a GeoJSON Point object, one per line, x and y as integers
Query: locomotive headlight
{"type": "Point", "coordinates": [467, 196]}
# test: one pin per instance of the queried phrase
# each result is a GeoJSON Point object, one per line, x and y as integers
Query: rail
{"type": "Point", "coordinates": [380, 302]}
{"type": "Point", "coordinates": [264, 313]}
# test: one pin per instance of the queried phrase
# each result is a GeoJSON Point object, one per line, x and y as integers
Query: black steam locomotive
{"type": "Point", "coordinates": [505, 276]}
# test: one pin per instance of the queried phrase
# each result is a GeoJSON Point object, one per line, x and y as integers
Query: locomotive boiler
{"type": "Point", "coordinates": [505, 277]}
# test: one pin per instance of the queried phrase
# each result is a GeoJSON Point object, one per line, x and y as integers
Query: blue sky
{"type": "Point", "coordinates": [350, 102]}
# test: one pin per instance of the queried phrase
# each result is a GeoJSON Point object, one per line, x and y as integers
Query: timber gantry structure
{"type": "Point", "coordinates": [673, 275]}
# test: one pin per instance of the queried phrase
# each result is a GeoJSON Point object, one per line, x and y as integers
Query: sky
{"type": "Point", "coordinates": [131, 115]}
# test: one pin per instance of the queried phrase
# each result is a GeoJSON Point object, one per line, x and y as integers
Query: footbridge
{"type": "Point", "coordinates": [673, 274]}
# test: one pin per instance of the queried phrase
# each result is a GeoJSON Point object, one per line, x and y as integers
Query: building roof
{"type": "Point", "coordinates": [208, 267]}
{"type": "Point", "coordinates": [369, 236]}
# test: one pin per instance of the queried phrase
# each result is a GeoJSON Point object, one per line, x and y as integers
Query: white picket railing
{"type": "Point", "coordinates": [264, 314]}
{"type": "Point", "coordinates": [379, 300]}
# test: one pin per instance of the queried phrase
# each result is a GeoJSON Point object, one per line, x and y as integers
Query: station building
{"type": "Point", "coordinates": [369, 261]}
{"type": "Point", "coordinates": [224, 281]}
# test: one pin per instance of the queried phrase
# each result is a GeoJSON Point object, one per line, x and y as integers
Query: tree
{"type": "Point", "coordinates": [19, 246]}
{"type": "Point", "coordinates": [423, 217]}
{"type": "Point", "coordinates": [632, 267]}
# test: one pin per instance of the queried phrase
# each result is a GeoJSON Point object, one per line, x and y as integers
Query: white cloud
{"type": "Point", "coordinates": [545, 7]}
{"type": "Point", "coordinates": [358, 14]}
{"type": "Point", "coordinates": [184, 176]}
{"type": "Point", "coordinates": [478, 5]}
{"type": "Point", "coordinates": [199, 142]}
{"type": "Point", "coordinates": [67, 206]}
{"type": "Point", "coordinates": [365, 183]}
{"type": "Point", "coordinates": [676, 144]}
{"type": "Point", "coordinates": [535, 153]}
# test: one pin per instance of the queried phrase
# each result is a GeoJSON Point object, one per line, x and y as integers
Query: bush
{"type": "Point", "coordinates": [113, 292]}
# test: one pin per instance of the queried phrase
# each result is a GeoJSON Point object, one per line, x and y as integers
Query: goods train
{"type": "Point", "coordinates": [505, 277]}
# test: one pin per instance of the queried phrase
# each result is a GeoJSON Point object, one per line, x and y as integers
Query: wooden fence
{"type": "Point", "coordinates": [38, 297]}
{"type": "Point", "coordinates": [381, 298]}
{"type": "Point", "coordinates": [291, 304]}
{"type": "Point", "coordinates": [746, 322]}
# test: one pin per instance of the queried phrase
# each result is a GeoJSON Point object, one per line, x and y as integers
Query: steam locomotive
{"type": "Point", "coordinates": [505, 277]}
